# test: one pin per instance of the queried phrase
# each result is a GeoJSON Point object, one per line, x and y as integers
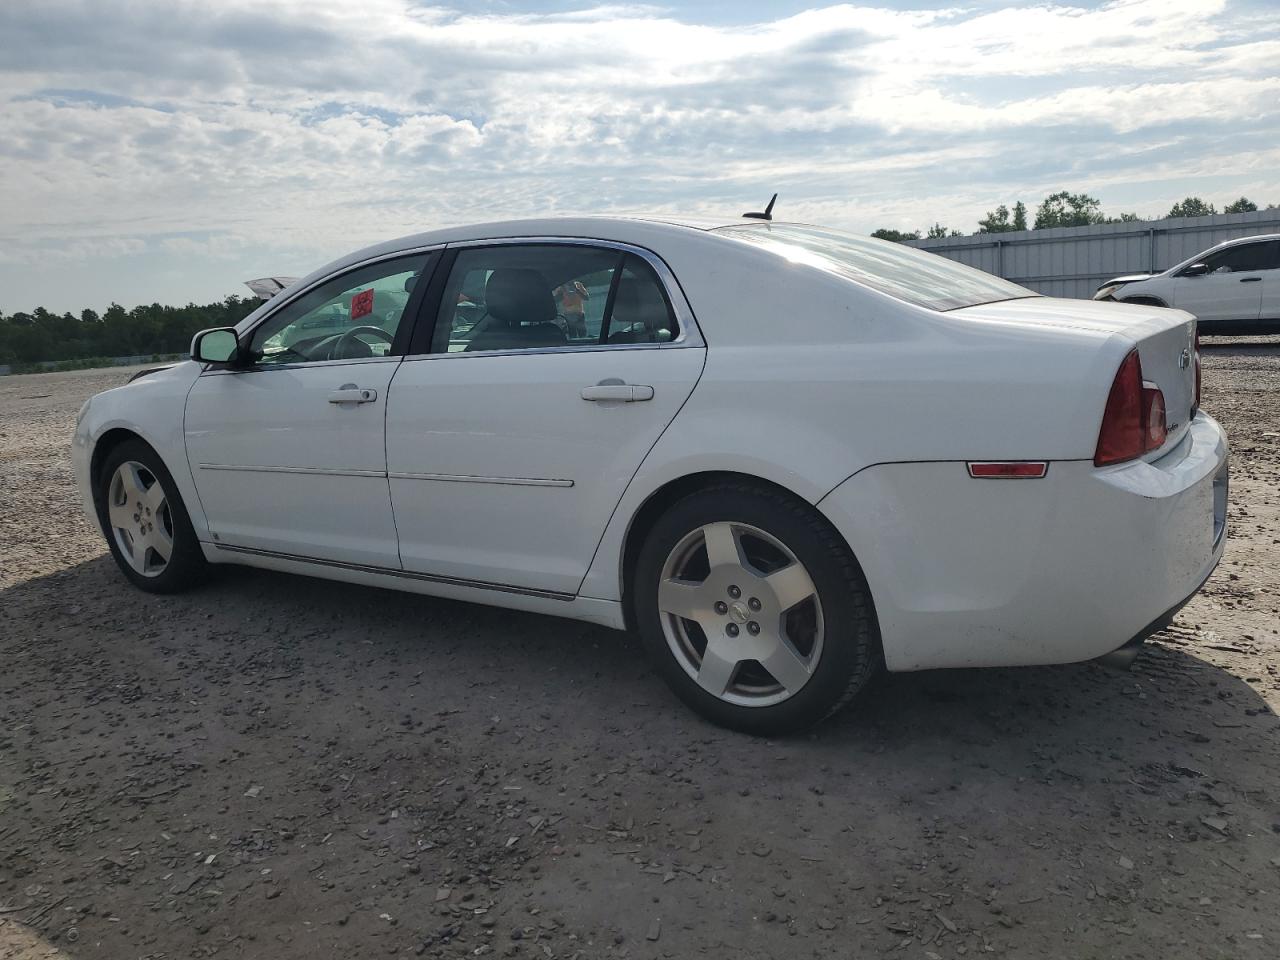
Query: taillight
{"type": "Point", "coordinates": [1153, 416]}
{"type": "Point", "coordinates": [1134, 420]}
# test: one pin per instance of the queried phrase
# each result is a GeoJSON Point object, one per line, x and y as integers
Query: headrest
{"type": "Point", "coordinates": [516, 296]}
{"type": "Point", "coordinates": [638, 301]}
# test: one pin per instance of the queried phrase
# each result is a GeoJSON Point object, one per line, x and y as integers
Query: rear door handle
{"type": "Point", "coordinates": [350, 393]}
{"type": "Point", "coordinates": [618, 391]}
{"type": "Point", "coordinates": [1250, 279]}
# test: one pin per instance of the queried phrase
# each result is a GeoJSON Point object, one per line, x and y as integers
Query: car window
{"type": "Point", "coordinates": [1244, 257]}
{"type": "Point", "coordinates": [924, 279]}
{"type": "Point", "coordinates": [540, 296]}
{"type": "Point", "coordinates": [353, 316]}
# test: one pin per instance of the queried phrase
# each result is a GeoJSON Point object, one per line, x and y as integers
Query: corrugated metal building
{"type": "Point", "coordinates": [1075, 261]}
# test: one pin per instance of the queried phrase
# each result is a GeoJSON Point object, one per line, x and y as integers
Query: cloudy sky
{"type": "Point", "coordinates": [165, 150]}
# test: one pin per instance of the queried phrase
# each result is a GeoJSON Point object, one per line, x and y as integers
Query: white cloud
{"type": "Point", "coordinates": [310, 126]}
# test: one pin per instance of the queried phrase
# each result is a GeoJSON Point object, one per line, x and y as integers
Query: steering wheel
{"type": "Point", "coordinates": [339, 349]}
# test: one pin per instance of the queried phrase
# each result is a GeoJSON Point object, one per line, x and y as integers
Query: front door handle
{"type": "Point", "coordinates": [614, 389]}
{"type": "Point", "coordinates": [1250, 279]}
{"type": "Point", "coordinates": [350, 393]}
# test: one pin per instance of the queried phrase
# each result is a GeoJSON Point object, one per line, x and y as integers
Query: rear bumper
{"type": "Point", "coordinates": [967, 572]}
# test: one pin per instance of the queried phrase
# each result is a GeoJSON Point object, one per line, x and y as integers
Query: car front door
{"type": "Point", "coordinates": [1270, 309]}
{"type": "Point", "coordinates": [1230, 291]}
{"type": "Point", "coordinates": [288, 450]}
{"type": "Point", "coordinates": [513, 430]}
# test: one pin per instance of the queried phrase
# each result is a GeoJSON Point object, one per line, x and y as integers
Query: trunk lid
{"type": "Point", "coordinates": [1165, 340]}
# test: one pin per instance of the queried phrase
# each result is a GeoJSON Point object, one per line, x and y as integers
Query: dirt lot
{"type": "Point", "coordinates": [285, 768]}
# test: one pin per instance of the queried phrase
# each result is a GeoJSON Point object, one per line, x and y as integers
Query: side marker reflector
{"type": "Point", "coordinates": [1010, 470]}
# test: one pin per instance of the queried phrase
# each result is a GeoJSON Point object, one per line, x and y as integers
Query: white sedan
{"type": "Point", "coordinates": [783, 454]}
{"type": "Point", "coordinates": [1233, 288]}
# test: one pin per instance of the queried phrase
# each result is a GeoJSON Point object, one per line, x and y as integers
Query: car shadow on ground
{"type": "Point", "coordinates": [254, 618]}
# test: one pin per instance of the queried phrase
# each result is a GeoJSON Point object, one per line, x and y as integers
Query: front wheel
{"type": "Point", "coordinates": [754, 609]}
{"type": "Point", "coordinates": [145, 522]}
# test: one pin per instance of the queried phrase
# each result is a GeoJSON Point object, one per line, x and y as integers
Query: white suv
{"type": "Point", "coordinates": [1233, 288]}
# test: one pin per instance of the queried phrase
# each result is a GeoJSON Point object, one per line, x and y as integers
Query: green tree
{"type": "Point", "coordinates": [1192, 207]}
{"type": "Point", "coordinates": [1124, 218]}
{"type": "Point", "coordinates": [938, 231]}
{"type": "Point", "coordinates": [149, 329]}
{"type": "Point", "coordinates": [1066, 209]}
{"type": "Point", "coordinates": [897, 236]}
{"type": "Point", "coordinates": [997, 221]}
{"type": "Point", "coordinates": [1243, 205]}
{"type": "Point", "coordinates": [1019, 216]}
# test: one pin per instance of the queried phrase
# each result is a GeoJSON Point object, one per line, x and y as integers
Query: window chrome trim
{"type": "Point", "coordinates": [403, 574]}
{"type": "Point", "coordinates": [467, 478]}
{"type": "Point", "coordinates": [689, 336]}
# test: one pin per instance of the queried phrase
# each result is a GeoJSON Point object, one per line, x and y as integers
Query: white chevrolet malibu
{"type": "Point", "coordinates": [783, 454]}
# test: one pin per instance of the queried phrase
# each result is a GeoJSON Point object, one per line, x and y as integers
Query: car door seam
{"type": "Point", "coordinates": [639, 466]}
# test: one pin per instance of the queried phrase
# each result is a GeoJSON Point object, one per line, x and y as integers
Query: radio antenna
{"type": "Point", "coordinates": [766, 214]}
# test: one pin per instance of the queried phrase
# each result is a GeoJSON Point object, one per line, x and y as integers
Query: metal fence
{"type": "Point", "coordinates": [1075, 261]}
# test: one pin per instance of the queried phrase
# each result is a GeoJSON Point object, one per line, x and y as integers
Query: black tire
{"type": "Point", "coordinates": [186, 566]}
{"type": "Point", "coordinates": [851, 646]}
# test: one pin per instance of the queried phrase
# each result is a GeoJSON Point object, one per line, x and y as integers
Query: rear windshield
{"type": "Point", "coordinates": [924, 279]}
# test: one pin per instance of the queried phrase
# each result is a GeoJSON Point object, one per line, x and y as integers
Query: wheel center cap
{"type": "Point", "coordinates": [738, 610]}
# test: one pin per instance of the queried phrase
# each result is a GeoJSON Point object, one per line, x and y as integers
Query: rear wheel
{"type": "Point", "coordinates": [754, 609]}
{"type": "Point", "coordinates": [145, 522]}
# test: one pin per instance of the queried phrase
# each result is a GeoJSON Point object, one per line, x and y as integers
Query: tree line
{"type": "Point", "coordinates": [27, 338]}
{"type": "Point", "coordinates": [1064, 209]}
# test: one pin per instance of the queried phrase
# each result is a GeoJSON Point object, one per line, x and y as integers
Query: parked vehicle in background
{"type": "Point", "coordinates": [1233, 288]}
{"type": "Point", "coordinates": [783, 454]}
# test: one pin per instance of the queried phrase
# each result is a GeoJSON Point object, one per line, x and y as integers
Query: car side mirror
{"type": "Point", "coordinates": [1196, 270]}
{"type": "Point", "coordinates": [219, 345]}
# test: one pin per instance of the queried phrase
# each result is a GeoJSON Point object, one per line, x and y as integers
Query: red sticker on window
{"type": "Point", "coordinates": [362, 304]}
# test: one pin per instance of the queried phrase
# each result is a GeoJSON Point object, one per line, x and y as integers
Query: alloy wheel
{"type": "Point", "coordinates": [741, 614]}
{"type": "Point", "coordinates": [140, 519]}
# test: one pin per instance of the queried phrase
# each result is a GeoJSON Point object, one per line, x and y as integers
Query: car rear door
{"type": "Point", "coordinates": [289, 452]}
{"type": "Point", "coordinates": [513, 431]}
{"type": "Point", "coordinates": [1230, 292]}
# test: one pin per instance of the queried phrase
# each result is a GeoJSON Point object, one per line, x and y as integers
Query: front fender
{"type": "Point", "coordinates": [151, 408]}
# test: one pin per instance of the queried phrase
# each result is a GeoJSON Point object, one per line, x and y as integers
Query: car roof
{"type": "Point", "coordinates": [593, 226]}
{"type": "Point", "coordinates": [637, 230]}
{"type": "Point", "coordinates": [1238, 240]}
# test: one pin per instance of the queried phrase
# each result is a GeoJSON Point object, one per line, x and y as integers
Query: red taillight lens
{"type": "Point", "coordinates": [1197, 361]}
{"type": "Point", "coordinates": [1121, 435]}
{"type": "Point", "coordinates": [1134, 420]}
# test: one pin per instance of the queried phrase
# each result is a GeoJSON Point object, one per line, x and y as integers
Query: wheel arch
{"type": "Point", "coordinates": [1145, 300]}
{"type": "Point", "coordinates": [107, 442]}
{"type": "Point", "coordinates": [667, 495]}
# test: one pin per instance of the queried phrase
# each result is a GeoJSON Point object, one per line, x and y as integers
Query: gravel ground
{"type": "Point", "coordinates": [287, 768]}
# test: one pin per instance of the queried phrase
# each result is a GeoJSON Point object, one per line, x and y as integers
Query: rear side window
{"type": "Point", "coordinates": [925, 279]}
{"type": "Point", "coordinates": [544, 296]}
{"type": "Point", "coordinates": [1245, 256]}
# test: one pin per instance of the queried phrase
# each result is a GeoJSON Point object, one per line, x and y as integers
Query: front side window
{"type": "Point", "coordinates": [1245, 257]}
{"type": "Point", "coordinates": [924, 279]}
{"type": "Point", "coordinates": [539, 296]}
{"type": "Point", "coordinates": [354, 316]}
